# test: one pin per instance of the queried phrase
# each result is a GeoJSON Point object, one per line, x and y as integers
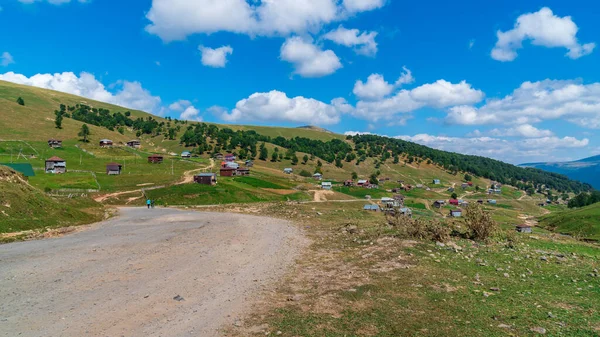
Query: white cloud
{"type": "Point", "coordinates": [216, 58]}
{"type": "Point", "coordinates": [533, 149]}
{"type": "Point", "coordinates": [364, 43]}
{"type": "Point", "coordinates": [542, 28]}
{"type": "Point", "coordinates": [6, 59]}
{"type": "Point", "coordinates": [308, 59]}
{"type": "Point", "coordinates": [524, 130]}
{"type": "Point", "coordinates": [440, 94]}
{"type": "Point", "coordinates": [128, 94]}
{"type": "Point", "coordinates": [177, 19]}
{"type": "Point", "coordinates": [276, 106]}
{"type": "Point", "coordinates": [377, 87]}
{"type": "Point", "coordinates": [363, 5]}
{"type": "Point", "coordinates": [180, 105]}
{"type": "Point", "coordinates": [533, 102]}
{"type": "Point", "coordinates": [187, 111]}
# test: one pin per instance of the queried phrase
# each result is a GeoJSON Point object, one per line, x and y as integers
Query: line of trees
{"type": "Point", "coordinates": [584, 199]}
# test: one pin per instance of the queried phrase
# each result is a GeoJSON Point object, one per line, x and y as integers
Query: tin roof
{"type": "Point", "coordinates": [206, 175]}
{"type": "Point", "coordinates": [55, 159]}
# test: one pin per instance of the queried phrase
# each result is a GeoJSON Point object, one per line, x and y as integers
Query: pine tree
{"type": "Point", "coordinates": [20, 101]}
{"type": "Point", "coordinates": [58, 120]}
{"type": "Point", "coordinates": [85, 132]}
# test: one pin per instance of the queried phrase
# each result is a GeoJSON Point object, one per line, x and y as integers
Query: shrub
{"type": "Point", "coordinates": [305, 173]}
{"type": "Point", "coordinates": [479, 223]}
{"type": "Point", "coordinates": [418, 228]}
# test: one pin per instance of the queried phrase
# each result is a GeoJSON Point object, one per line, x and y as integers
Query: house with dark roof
{"type": "Point", "coordinates": [113, 169]}
{"type": "Point", "coordinates": [155, 159]}
{"type": "Point", "coordinates": [218, 156]}
{"type": "Point", "coordinates": [229, 157]}
{"type": "Point", "coordinates": [136, 144]}
{"type": "Point", "coordinates": [243, 172]}
{"type": "Point", "coordinates": [206, 179]}
{"type": "Point", "coordinates": [56, 165]}
{"type": "Point", "coordinates": [227, 172]}
{"type": "Point", "coordinates": [439, 203]}
{"type": "Point", "coordinates": [456, 213]}
{"type": "Point", "coordinates": [54, 143]}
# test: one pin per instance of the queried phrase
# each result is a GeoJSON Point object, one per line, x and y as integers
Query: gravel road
{"type": "Point", "coordinates": [120, 277]}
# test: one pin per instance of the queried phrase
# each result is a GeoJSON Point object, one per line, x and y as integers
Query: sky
{"type": "Point", "coordinates": [517, 81]}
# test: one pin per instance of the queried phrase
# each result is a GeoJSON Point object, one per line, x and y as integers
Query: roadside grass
{"type": "Point", "coordinates": [370, 282]}
{"type": "Point", "coordinates": [255, 182]}
{"type": "Point", "coordinates": [583, 222]}
{"type": "Point", "coordinates": [359, 192]}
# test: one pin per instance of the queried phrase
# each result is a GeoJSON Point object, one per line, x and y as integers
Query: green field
{"type": "Point", "coordinates": [583, 222]}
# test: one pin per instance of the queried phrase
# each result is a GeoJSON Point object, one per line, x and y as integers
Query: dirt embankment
{"type": "Point", "coordinates": [156, 272]}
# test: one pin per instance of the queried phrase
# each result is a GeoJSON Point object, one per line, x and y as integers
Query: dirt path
{"type": "Point", "coordinates": [120, 277]}
{"type": "Point", "coordinates": [321, 195]}
{"type": "Point", "coordinates": [188, 177]}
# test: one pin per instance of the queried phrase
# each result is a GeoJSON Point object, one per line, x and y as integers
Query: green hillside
{"type": "Point", "coordinates": [24, 207]}
{"type": "Point", "coordinates": [583, 222]}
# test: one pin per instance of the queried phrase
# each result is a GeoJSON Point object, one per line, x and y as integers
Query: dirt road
{"type": "Point", "coordinates": [120, 278]}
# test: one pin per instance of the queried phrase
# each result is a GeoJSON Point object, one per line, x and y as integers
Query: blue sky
{"type": "Point", "coordinates": [510, 80]}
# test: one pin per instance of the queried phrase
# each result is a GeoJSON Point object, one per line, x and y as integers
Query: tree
{"type": "Point", "coordinates": [305, 159]}
{"type": "Point", "coordinates": [338, 163]}
{"type": "Point", "coordinates": [85, 133]}
{"type": "Point", "coordinates": [468, 177]}
{"type": "Point", "coordinates": [354, 176]}
{"type": "Point", "coordinates": [274, 156]}
{"type": "Point", "coordinates": [319, 164]}
{"type": "Point", "coordinates": [20, 101]}
{"type": "Point", "coordinates": [264, 153]}
{"type": "Point", "coordinates": [373, 179]}
{"type": "Point", "coordinates": [295, 160]}
{"type": "Point", "coordinates": [479, 223]}
{"type": "Point", "coordinates": [454, 196]}
{"type": "Point", "coordinates": [58, 120]}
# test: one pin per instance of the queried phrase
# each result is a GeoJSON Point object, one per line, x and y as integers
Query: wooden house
{"type": "Point", "coordinates": [206, 179]}
{"type": "Point", "coordinates": [348, 183]}
{"type": "Point", "coordinates": [155, 159]}
{"type": "Point", "coordinates": [326, 185]}
{"type": "Point", "coordinates": [227, 172]}
{"type": "Point", "coordinates": [242, 172]}
{"type": "Point", "coordinates": [439, 203]}
{"type": "Point", "coordinates": [56, 165]}
{"type": "Point", "coordinates": [136, 144]}
{"type": "Point", "coordinates": [113, 169]}
{"type": "Point", "coordinates": [453, 202]}
{"type": "Point", "coordinates": [106, 143]}
{"type": "Point", "coordinates": [318, 176]}
{"type": "Point", "coordinates": [54, 143]}
{"type": "Point", "coordinates": [464, 185]}
{"type": "Point", "coordinates": [249, 163]}
{"type": "Point", "coordinates": [230, 165]}
{"type": "Point", "coordinates": [229, 157]}
{"type": "Point", "coordinates": [218, 156]}
{"type": "Point", "coordinates": [436, 181]}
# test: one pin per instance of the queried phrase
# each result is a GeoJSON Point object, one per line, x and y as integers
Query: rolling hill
{"type": "Point", "coordinates": [583, 222]}
{"type": "Point", "coordinates": [586, 170]}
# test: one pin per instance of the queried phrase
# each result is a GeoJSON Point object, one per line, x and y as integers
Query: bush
{"type": "Point", "coordinates": [418, 228]}
{"type": "Point", "coordinates": [479, 223]}
{"type": "Point", "coordinates": [305, 173]}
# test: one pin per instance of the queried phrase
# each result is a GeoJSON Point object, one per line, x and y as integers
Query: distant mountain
{"type": "Point", "coordinates": [586, 170]}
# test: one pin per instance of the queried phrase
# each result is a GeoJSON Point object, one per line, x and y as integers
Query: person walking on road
{"type": "Point", "coordinates": [149, 203]}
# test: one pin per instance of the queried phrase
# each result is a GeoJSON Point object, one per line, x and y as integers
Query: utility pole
{"type": "Point", "coordinates": [172, 173]}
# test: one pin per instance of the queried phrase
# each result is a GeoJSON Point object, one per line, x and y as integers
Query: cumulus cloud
{"type": "Point", "coordinates": [6, 59]}
{"type": "Point", "coordinates": [308, 59]}
{"type": "Point", "coordinates": [177, 19]}
{"type": "Point", "coordinates": [216, 58]}
{"type": "Point", "coordinates": [186, 110]}
{"type": "Point", "coordinates": [363, 43]}
{"type": "Point", "coordinates": [276, 106]}
{"type": "Point", "coordinates": [127, 94]}
{"type": "Point", "coordinates": [533, 149]}
{"type": "Point", "coordinates": [533, 102]}
{"type": "Point", "coordinates": [377, 87]}
{"type": "Point", "coordinates": [542, 28]}
{"type": "Point", "coordinates": [524, 130]}
{"type": "Point", "coordinates": [440, 94]}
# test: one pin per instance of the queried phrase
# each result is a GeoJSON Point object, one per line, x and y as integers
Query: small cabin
{"type": "Point", "coordinates": [229, 157]}
{"type": "Point", "coordinates": [453, 202]}
{"type": "Point", "coordinates": [186, 154]}
{"type": "Point", "coordinates": [243, 172]}
{"type": "Point", "coordinates": [106, 143]}
{"type": "Point", "coordinates": [406, 212]}
{"type": "Point", "coordinates": [155, 159]}
{"type": "Point", "coordinates": [436, 181]}
{"type": "Point", "coordinates": [451, 189]}
{"type": "Point", "coordinates": [227, 172]}
{"type": "Point", "coordinates": [362, 183]}
{"type": "Point", "coordinates": [464, 185]}
{"type": "Point", "coordinates": [54, 143]}
{"type": "Point", "coordinates": [56, 165]}
{"type": "Point", "coordinates": [230, 164]}
{"type": "Point", "coordinates": [206, 179]}
{"type": "Point", "coordinates": [470, 183]}
{"type": "Point", "coordinates": [492, 202]}
{"type": "Point", "coordinates": [136, 144]}
{"type": "Point", "coordinates": [113, 169]}
{"type": "Point", "coordinates": [326, 185]}
{"type": "Point", "coordinates": [249, 163]}
{"type": "Point", "coordinates": [288, 170]}
{"type": "Point", "coordinates": [218, 156]}
{"type": "Point", "coordinates": [348, 183]}
{"type": "Point", "coordinates": [524, 229]}
{"type": "Point", "coordinates": [439, 203]}
{"type": "Point", "coordinates": [372, 208]}
{"type": "Point", "coordinates": [456, 213]}
{"type": "Point", "coordinates": [318, 176]}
